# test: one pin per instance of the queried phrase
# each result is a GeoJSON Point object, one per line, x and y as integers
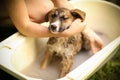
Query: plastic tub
{"type": "Point", "coordinates": [20, 56]}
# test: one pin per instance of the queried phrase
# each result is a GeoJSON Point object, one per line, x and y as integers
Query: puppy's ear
{"type": "Point", "coordinates": [47, 16]}
{"type": "Point", "coordinates": [78, 14]}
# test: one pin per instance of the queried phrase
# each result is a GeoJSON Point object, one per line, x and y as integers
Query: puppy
{"type": "Point", "coordinates": [66, 47]}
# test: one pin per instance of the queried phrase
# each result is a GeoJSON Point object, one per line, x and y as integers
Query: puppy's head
{"type": "Point", "coordinates": [61, 18]}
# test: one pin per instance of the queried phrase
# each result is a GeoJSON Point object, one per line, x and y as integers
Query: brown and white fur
{"type": "Point", "coordinates": [66, 47]}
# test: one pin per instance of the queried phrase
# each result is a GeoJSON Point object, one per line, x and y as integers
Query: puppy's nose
{"type": "Point", "coordinates": [53, 27]}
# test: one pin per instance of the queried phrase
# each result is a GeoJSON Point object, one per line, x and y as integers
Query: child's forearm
{"type": "Point", "coordinates": [62, 3]}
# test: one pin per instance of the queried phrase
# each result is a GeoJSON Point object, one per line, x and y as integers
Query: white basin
{"type": "Point", "coordinates": [20, 56]}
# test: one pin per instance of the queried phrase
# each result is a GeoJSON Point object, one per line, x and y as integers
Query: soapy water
{"type": "Point", "coordinates": [52, 71]}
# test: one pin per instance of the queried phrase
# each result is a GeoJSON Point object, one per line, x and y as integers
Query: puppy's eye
{"type": "Point", "coordinates": [64, 17]}
{"type": "Point", "coordinates": [53, 15]}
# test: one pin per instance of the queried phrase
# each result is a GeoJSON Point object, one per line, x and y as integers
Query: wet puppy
{"type": "Point", "coordinates": [65, 47]}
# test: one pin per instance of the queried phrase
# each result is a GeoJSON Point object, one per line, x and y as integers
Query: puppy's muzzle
{"type": "Point", "coordinates": [53, 27]}
{"type": "Point", "coordinates": [56, 29]}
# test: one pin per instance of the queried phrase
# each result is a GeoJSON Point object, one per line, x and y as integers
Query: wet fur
{"type": "Point", "coordinates": [65, 47]}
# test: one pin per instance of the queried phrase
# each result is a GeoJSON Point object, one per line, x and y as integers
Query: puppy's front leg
{"type": "Point", "coordinates": [67, 61]}
{"type": "Point", "coordinates": [45, 60]}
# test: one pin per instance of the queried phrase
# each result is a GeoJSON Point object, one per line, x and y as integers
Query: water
{"type": "Point", "coordinates": [52, 71]}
